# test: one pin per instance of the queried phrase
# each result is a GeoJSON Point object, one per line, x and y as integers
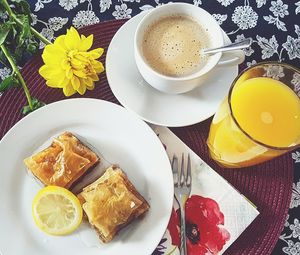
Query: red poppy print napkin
{"type": "Point", "coordinates": [216, 213]}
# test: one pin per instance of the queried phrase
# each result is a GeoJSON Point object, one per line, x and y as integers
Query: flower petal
{"type": "Point", "coordinates": [72, 39]}
{"type": "Point", "coordinates": [69, 73]}
{"type": "Point", "coordinates": [173, 228]}
{"type": "Point", "coordinates": [64, 64]}
{"type": "Point", "coordinates": [49, 73]}
{"type": "Point", "coordinates": [79, 73]}
{"type": "Point", "coordinates": [81, 89]}
{"type": "Point", "coordinates": [60, 42]}
{"type": "Point", "coordinates": [197, 249]}
{"type": "Point", "coordinates": [98, 66]}
{"type": "Point", "coordinates": [76, 63]}
{"type": "Point", "coordinates": [86, 42]}
{"type": "Point", "coordinates": [51, 84]}
{"type": "Point", "coordinates": [91, 87]}
{"type": "Point", "coordinates": [210, 210]}
{"type": "Point", "coordinates": [55, 49]}
{"type": "Point", "coordinates": [75, 82]}
{"type": "Point", "coordinates": [88, 81]}
{"type": "Point", "coordinates": [43, 71]}
{"type": "Point", "coordinates": [61, 81]}
{"type": "Point", "coordinates": [81, 56]}
{"type": "Point", "coordinates": [69, 90]}
{"type": "Point", "coordinates": [96, 53]}
{"type": "Point", "coordinates": [94, 77]}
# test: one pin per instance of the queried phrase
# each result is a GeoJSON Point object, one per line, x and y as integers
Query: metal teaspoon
{"type": "Point", "coordinates": [230, 47]}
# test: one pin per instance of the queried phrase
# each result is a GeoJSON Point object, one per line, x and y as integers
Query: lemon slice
{"type": "Point", "coordinates": [56, 210]}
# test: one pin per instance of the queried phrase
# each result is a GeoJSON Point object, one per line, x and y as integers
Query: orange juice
{"type": "Point", "coordinates": [265, 109]}
{"type": "Point", "coordinates": [268, 110]}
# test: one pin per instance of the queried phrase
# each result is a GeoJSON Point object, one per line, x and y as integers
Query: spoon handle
{"type": "Point", "coordinates": [233, 46]}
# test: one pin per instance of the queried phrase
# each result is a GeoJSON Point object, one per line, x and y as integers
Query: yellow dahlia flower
{"type": "Point", "coordinates": [69, 65]}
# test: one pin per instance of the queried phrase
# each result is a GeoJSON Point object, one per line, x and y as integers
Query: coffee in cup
{"type": "Point", "coordinates": [181, 68]}
{"type": "Point", "coordinates": [173, 44]}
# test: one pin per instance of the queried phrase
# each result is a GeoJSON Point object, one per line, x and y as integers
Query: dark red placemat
{"type": "Point", "coordinates": [268, 186]}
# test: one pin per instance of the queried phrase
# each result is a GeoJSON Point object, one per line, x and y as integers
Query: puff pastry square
{"type": "Point", "coordinates": [63, 162]}
{"type": "Point", "coordinates": [111, 203]}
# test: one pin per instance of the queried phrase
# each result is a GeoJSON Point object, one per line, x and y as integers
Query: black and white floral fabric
{"type": "Point", "coordinates": [273, 25]}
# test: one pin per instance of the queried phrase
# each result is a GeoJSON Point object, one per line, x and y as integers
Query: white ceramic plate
{"type": "Point", "coordinates": [152, 105]}
{"type": "Point", "coordinates": [121, 138]}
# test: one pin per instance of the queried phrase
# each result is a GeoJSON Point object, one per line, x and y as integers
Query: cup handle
{"type": "Point", "coordinates": [232, 58]}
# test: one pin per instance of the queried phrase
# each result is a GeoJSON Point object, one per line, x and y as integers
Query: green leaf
{"type": "Point", "coordinates": [18, 53]}
{"type": "Point", "coordinates": [25, 8]}
{"type": "Point", "coordinates": [3, 13]}
{"type": "Point", "coordinates": [17, 1]}
{"type": "Point", "coordinates": [4, 30]}
{"type": "Point", "coordinates": [32, 47]}
{"type": "Point", "coordinates": [3, 59]}
{"type": "Point", "coordinates": [21, 7]}
{"type": "Point", "coordinates": [25, 30]}
{"type": "Point", "coordinates": [36, 104]}
{"type": "Point", "coordinates": [2, 9]}
{"type": "Point", "coordinates": [14, 32]}
{"type": "Point", "coordinates": [9, 82]}
{"type": "Point", "coordinates": [13, 26]}
{"type": "Point", "coordinates": [10, 22]}
{"type": "Point", "coordinates": [12, 54]}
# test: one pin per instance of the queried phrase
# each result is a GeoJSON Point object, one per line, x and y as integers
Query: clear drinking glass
{"type": "Point", "coordinates": [260, 117]}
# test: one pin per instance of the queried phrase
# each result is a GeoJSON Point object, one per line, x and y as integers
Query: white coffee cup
{"type": "Point", "coordinates": [182, 84]}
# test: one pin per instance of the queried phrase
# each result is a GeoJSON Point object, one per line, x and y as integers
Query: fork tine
{"type": "Point", "coordinates": [182, 173]}
{"type": "Point", "coordinates": [175, 169]}
{"type": "Point", "coordinates": [189, 175]}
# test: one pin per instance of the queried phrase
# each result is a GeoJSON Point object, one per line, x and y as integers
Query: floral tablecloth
{"type": "Point", "coordinates": [274, 27]}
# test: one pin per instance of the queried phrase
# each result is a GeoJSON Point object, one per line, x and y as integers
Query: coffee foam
{"type": "Point", "coordinates": [172, 45]}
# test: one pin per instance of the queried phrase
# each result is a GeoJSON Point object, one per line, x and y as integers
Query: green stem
{"type": "Point", "coordinates": [7, 7]}
{"type": "Point", "coordinates": [171, 252]}
{"type": "Point", "coordinates": [1, 62]}
{"type": "Point", "coordinates": [11, 14]}
{"type": "Point", "coordinates": [38, 35]}
{"type": "Point", "coordinates": [17, 72]}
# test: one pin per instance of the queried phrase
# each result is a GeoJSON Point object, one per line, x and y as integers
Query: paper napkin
{"type": "Point", "coordinates": [216, 213]}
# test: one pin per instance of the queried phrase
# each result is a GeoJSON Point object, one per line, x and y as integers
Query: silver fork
{"type": "Point", "coordinates": [182, 190]}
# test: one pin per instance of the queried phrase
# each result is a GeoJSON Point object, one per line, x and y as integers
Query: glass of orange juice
{"type": "Point", "coordinates": [260, 117]}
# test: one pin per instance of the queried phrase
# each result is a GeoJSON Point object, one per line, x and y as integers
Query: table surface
{"type": "Point", "coordinates": [273, 25]}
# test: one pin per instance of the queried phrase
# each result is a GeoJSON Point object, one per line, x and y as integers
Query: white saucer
{"type": "Point", "coordinates": [153, 106]}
